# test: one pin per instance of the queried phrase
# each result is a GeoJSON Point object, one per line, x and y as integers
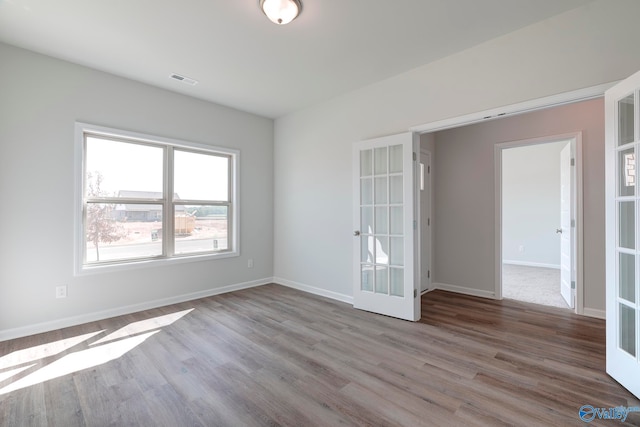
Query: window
{"type": "Point", "coordinates": [143, 198]}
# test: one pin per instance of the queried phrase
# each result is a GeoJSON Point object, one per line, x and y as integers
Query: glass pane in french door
{"type": "Point", "coordinates": [382, 279]}
{"type": "Point", "coordinates": [367, 277]}
{"type": "Point", "coordinates": [627, 329]}
{"type": "Point", "coordinates": [366, 219]}
{"type": "Point", "coordinates": [396, 281]}
{"type": "Point", "coordinates": [380, 161]}
{"type": "Point", "coordinates": [395, 159]}
{"type": "Point", "coordinates": [626, 224]}
{"type": "Point", "coordinates": [626, 131]}
{"type": "Point", "coordinates": [627, 172]}
{"type": "Point", "coordinates": [627, 277]}
{"type": "Point", "coordinates": [396, 222]}
{"type": "Point", "coordinates": [382, 219]}
{"type": "Point", "coordinates": [381, 225]}
{"type": "Point", "coordinates": [366, 163]}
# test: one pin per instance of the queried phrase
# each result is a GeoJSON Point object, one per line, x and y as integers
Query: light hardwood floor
{"type": "Point", "coordinates": [276, 356]}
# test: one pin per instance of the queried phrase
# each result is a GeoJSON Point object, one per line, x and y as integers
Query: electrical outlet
{"type": "Point", "coordinates": [61, 291]}
{"type": "Point", "coordinates": [250, 263]}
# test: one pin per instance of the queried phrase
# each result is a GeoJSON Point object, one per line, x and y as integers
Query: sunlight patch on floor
{"type": "Point", "coordinates": [39, 352]}
{"type": "Point", "coordinates": [143, 326]}
{"type": "Point", "coordinates": [104, 350]}
{"type": "Point", "coordinates": [78, 361]}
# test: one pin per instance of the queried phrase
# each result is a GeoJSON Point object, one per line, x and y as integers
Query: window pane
{"type": "Point", "coordinates": [382, 280]}
{"type": "Point", "coordinates": [396, 256]}
{"type": "Point", "coordinates": [382, 250]}
{"type": "Point", "coordinates": [395, 158]}
{"type": "Point", "coordinates": [366, 220]}
{"type": "Point", "coordinates": [366, 158]}
{"type": "Point", "coordinates": [395, 190]}
{"type": "Point", "coordinates": [627, 277]}
{"type": "Point", "coordinates": [627, 329]}
{"type": "Point", "coordinates": [627, 225]}
{"type": "Point", "coordinates": [117, 232]}
{"type": "Point", "coordinates": [366, 249]}
{"type": "Point", "coordinates": [200, 176]}
{"type": "Point", "coordinates": [366, 277]}
{"type": "Point", "coordinates": [380, 157]}
{"type": "Point", "coordinates": [120, 169]}
{"type": "Point", "coordinates": [625, 120]}
{"type": "Point", "coordinates": [627, 176]}
{"type": "Point", "coordinates": [397, 281]}
{"type": "Point", "coordinates": [366, 191]}
{"type": "Point", "coordinates": [201, 229]}
{"type": "Point", "coordinates": [381, 220]}
{"type": "Point", "coordinates": [381, 191]}
{"type": "Point", "coordinates": [396, 220]}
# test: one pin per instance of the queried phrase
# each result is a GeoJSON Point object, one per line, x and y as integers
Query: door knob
{"type": "Point", "coordinates": [356, 233]}
{"type": "Point", "coordinates": [558, 230]}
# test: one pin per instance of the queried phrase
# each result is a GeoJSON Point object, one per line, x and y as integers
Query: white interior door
{"type": "Point", "coordinates": [384, 226]}
{"type": "Point", "coordinates": [424, 180]}
{"type": "Point", "coordinates": [567, 279]}
{"type": "Point", "coordinates": [622, 129]}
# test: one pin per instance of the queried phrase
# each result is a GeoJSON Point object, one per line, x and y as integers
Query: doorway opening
{"type": "Point", "coordinates": [539, 208]}
{"type": "Point", "coordinates": [531, 229]}
{"type": "Point", "coordinates": [427, 133]}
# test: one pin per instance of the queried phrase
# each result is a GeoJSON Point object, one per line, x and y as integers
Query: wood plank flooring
{"type": "Point", "coordinates": [272, 356]}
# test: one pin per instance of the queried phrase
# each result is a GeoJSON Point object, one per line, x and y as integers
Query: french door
{"type": "Point", "coordinates": [385, 226]}
{"type": "Point", "coordinates": [622, 128]}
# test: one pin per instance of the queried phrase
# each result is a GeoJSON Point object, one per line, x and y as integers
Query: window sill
{"type": "Point", "coordinates": [84, 270]}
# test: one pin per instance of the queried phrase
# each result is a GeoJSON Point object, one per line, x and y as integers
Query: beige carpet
{"type": "Point", "coordinates": [537, 285]}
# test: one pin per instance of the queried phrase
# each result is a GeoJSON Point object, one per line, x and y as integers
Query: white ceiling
{"type": "Point", "coordinates": [244, 61]}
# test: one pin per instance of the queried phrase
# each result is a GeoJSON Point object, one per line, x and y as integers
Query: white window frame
{"type": "Point", "coordinates": [82, 268]}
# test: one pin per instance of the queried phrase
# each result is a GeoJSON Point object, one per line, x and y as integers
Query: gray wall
{"type": "Point", "coordinates": [584, 47]}
{"type": "Point", "coordinates": [465, 202]}
{"type": "Point", "coordinates": [40, 99]}
{"type": "Point", "coordinates": [531, 204]}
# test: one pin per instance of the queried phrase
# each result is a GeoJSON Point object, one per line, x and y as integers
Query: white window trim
{"type": "Point", "coordinates": [79, 241]}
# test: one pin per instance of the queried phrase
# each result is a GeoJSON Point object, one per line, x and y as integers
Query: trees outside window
{"type": "Point", "coordinates": [101, 227]}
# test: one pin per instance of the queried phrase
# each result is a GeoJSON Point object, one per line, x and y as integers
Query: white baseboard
{"type": "Point", "coordinates": [589, 312]}
{"type": "Point", "coordinates": [38, 328]}
{"type": "Point", "coordinates": [24, 331]}
{"type": "Point", "coordinates": [531, 264]}
{"type": "Point", "coordinates": [592, 312]}
{"type": "Point", "coordinates": [466, 291]}
{"type": "Point", "coordinates": [313, 290]}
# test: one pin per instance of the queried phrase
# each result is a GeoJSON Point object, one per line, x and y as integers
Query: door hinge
{"type": "Point", "coordinates": [573, 223]}
{"type": "Point", "coordinates": [415, 293]}
{"type": "Point", "coordinates": [428, 274]}
{"type": "Point", "coordinates": [415, 224]}
{"type": "Point", "coordinates": [573, 284]}
{"type": "Point", "coordinates": [415, 157]}
{"type": "Point", "coordinates": [428, 222]}
{"type": "Point", "coordinates": [428, 169]}
{"type": "Point", "coordinates": [573, 162]}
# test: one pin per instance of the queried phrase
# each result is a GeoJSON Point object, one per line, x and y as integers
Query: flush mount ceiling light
{"type": "Point", "coordinates": [281, 11]}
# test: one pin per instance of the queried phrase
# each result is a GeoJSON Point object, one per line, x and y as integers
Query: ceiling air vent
{"type": "Point", "coordinates": [184, 79]}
